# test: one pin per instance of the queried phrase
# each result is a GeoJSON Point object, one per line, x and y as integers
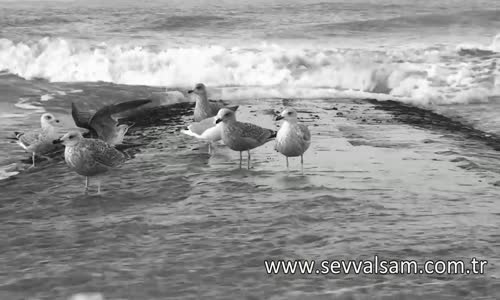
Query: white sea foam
{"type": "Point", "coordinates": [418, 75]}
{"type": "Point", "coordinates": [29, 104]}
{"type": "Point", "coordinates": [471, 48]}
{"type": "Point", "coordinates": [87, 296]}
{"type": "Point", "coordinates": [46, 97]}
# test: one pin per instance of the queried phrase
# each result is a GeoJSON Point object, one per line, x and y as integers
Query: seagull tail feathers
{"type": "Point", "coordinates": [17, 136]}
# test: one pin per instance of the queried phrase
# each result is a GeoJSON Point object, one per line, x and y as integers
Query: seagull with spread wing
{"type": "Point", "coordinates": [102, 124]}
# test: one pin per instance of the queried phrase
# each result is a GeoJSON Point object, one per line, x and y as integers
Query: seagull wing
{"type": "Point", "coordinates": [105, 154]}
{"type": "Point", "coordinates": [305, 133]}
{"type": "Point", "coordinates": [28, 139]}
{"type": "Point", "coordinates": [249, 130]}
{"type": "Point", "coordinates": [103, 121]}
{"type": "Point", "coordinates": [81, 118]}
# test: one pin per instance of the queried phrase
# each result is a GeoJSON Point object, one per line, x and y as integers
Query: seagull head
{"type": "Point", "coordinates": [48, 119]}
{"type": "Point", "coordinates": [199, 89]}
{"type": "Point", "coordinates": [288, 114]}
{"type": "Point", "coordinates": [69, 139]}
{"type": "Point", "coordinates": [123, 128]}
{"type": "Point", "coordinates": [225, 115]}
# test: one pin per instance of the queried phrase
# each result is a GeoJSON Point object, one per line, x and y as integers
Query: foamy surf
{"type": "Point", "coordinates": [426, 76]}
{"type": "Point", "coordinates": [87, 296]}
{"type": "Point", "coordinates": [478, 49]}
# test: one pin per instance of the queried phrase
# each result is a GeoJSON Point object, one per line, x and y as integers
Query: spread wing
{"type": "Point", "coordinates": [103, 121]}
{"type": "Point", "coordinates": [81, 118]}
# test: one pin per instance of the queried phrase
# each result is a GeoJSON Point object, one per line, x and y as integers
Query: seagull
{"type": "Point", "coordinates": [39, 141]}
{"type": "Point", "coordinates": [117, 136]}
{"type": "Point", "coordinates": [240, 136]}
{"type": "Point", "coordinates": [91, 157]}
{"type": "Point", "coordinates": [205, 130]}
{"type": "Point", "coordinates": [102, 124]}
{"type": "Point", "coordinates": [293, 139]}
{"type": "Point", "coordinates": [205, 109]}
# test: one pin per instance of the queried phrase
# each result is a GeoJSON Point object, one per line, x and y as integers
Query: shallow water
{"type": "Point", "coordinates": [177, 222]}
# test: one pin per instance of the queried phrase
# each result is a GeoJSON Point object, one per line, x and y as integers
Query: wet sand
{"type": "Point", "coordinates": [380, 178]}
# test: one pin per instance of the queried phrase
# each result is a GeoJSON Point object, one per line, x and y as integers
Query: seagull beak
{"type": "Point", "coordinates": [190, 91]}
{"type": "Point", "coordinates": [217, 121]}
{"type": "Point", "coordinates": [58, 141]}
{"type": "Point", "coordinates": [278, 118]}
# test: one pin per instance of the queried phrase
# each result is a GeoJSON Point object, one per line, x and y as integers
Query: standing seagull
{"type": "Point", "coordinates": [204, 108]}
{"type": "Point", "coordinates": [293, 139]}
{"type": "Point", "coordinates": [240, 136]}
{"type": "Point", "coordinates": [90, 157]}
{"type": "Point", "coordinates": [205, 130]}
{"type": "Point", "coordinates": [102, 124]}
{"type": "Point", "coordinates": [40, 141]}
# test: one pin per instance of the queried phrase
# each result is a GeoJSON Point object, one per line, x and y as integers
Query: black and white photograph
{"type": "Point", "coordinates": [249, 149]}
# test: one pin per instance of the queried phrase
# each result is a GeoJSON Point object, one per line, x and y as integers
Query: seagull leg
{"type": "Point", "coordinates": [241, 158]}
{"type": "Point", "coordinates": [248, 162]}
{"type": "Point", "coordinates": [98, 187]}
{"type": "Point", "coordinates": [302, 163]}
{"type": "Point", "coordinates": [32, 160]}
{"type": "Point", "coordinates": [286, 161]}
{"type": "Point", "coordinates": [86, 184]}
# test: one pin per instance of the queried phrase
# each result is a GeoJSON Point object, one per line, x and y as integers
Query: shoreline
{"type": "Point", "coordinates": [152, 119]}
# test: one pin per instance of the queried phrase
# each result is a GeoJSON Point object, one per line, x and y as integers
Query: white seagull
{"type": "Point", "coordinates": [205, 130]}
{"type": "Point", "coordinates": [293, 139]}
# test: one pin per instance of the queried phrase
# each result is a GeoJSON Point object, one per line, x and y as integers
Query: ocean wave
{"type": "Point", "coordinates": [412, 75]}
{"type": "Point", "coordinates": [480, 50]}
{"type": "Point", "coordinates": [179, 22]}
{"type": "Point", "coordinates": [487, 18]}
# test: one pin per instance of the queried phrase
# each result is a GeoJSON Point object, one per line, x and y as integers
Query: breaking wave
{"type": "Point", "coordinates": [480, 50]}
{"type": "Point", "coordinates": [423, 76]}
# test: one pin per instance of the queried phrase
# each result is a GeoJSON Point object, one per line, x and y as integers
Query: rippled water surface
{"type": "Point", "coordinates": [178, 222]}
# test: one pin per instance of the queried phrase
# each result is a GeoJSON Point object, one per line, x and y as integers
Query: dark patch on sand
{"type": "Point", "coordinates": [161, 115]}
{"type": "Point", "coordinates": [427, 119]}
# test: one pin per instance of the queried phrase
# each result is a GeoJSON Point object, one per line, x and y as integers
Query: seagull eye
{"type": "Point", "coordinates": [71, 136]}
{"type": "Point", "coordinates": [289, 113]}
{"type": "Point", "coordinates": [48, 117]}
